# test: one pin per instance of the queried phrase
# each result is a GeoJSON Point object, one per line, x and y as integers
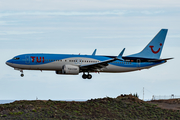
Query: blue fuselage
{"type": "Point", "coordinates": [56, 61]}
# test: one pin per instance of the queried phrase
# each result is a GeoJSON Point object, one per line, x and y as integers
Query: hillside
{"type": "Point", "coordinates": [122, 107]}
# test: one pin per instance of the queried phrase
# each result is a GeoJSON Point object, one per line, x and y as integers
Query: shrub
{"type": "Point", "coordinates": [4, 115]}
{"type": "Point", "coordinates": [33, 110]}
{"type": "Point", "coordinates": [10, 113]}
{"type": "Point", "coordinates": [136, 95]}
{"type": "Point", "coordinates": [17, 113]}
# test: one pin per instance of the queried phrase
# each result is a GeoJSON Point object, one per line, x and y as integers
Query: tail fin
{"type": "Point", "coordinates": [154, 48]}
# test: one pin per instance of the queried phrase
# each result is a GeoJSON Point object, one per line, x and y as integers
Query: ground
{"type": "Point", "coordinates": [123, 107]}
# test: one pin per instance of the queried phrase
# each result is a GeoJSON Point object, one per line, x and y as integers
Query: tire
{"type": "Point", "coordinates": [84, 76]}
{"type": "Point", "coordinates": [89, 76]}
{"type": "Point", "coordinates": [22, 75]}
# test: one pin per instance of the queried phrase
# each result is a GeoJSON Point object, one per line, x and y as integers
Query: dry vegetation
{"type": "Point", "coordinates": [123, 107]}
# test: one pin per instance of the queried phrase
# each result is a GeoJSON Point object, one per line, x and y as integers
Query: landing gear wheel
{"type": "Point", "coordinates": [84, 76]}
{"type": "Point", "coordinates": [89, 76]}
{"type": "Point", "coordinates": [22, 75]}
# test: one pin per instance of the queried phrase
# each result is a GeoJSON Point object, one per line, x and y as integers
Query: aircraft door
{"type": "Point", "coordinates": [138, 63]}
{"type": "Point", "coordinates": [27, 59]}
{"type": "Point", "coordinates": [78, 61]}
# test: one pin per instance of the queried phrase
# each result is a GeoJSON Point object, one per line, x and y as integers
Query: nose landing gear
{"type": "Point", "coordinates": [22, 75]}
{"type": "Point", "coordinates": [88, 76]}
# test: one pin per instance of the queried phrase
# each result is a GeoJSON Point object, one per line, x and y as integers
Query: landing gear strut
{"type": "Point", "coordinates": [88, 76]}
{"type": "Point", "coordinates": [22, 75]}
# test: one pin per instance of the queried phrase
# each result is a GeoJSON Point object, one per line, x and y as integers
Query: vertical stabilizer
{"type": "Point", "coordinates": [154, 48]}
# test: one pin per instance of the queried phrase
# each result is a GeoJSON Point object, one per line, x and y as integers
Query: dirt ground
{"type": "Point", "coordinates": [173, 104]}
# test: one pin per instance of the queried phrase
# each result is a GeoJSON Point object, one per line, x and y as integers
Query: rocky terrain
{"type": "Point", "coordinates": [123, 107]}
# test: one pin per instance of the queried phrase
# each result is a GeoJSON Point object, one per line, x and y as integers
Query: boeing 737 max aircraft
{"type": "Point", "coordinates": [69, 64]}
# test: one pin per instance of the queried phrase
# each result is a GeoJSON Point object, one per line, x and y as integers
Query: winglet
{"type": "Point", "coordinates": [120, 55]}
{"type": "Point", "coordinates": [94, 53]}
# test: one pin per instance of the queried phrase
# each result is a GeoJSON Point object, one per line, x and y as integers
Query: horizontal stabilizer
{"type": "Point", "coordinates": [160, 60]}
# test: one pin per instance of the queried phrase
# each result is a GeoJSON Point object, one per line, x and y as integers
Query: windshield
{"type": "Point", "coordinates": [16, 58]}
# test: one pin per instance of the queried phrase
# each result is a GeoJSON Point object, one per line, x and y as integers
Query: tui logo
{"type": "Point", "coordinates": [37, 60]}
{"type": "Point", "coordinates": [155, 52]}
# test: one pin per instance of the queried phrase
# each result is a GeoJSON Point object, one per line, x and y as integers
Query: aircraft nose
{"type": "Point", "coordinates": [8, 62]}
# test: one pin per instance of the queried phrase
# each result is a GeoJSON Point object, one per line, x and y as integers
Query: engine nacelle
{"type": "Point", "coordinates": [69, 69]}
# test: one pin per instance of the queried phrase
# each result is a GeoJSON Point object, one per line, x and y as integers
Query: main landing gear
{"type": "Point", "coordinates": [22, 75]}
{"type": "Point", "coordinates": [88, 76]}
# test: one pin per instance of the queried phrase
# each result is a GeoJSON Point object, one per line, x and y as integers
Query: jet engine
{"type": "Point", "coordinates": [69, 69]}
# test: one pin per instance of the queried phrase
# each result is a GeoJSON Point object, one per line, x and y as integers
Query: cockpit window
{"type": "Point", "coordinates": [16, 58]}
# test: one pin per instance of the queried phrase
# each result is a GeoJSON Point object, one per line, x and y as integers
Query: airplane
{"type": "Point", "coordinates": [70, 64]}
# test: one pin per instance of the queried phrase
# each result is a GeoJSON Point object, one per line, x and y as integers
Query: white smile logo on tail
{"type": "Point", "coordinates": [155, 52]}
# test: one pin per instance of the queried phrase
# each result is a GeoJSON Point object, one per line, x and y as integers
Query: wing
{"type": "Point", "coordinates": [98, 66]}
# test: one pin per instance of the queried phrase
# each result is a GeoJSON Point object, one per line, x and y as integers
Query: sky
{"type": "Point", "coordinates": [80, 26]}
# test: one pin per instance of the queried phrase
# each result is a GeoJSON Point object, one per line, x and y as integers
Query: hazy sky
{"type": "Point", "coordinates": [80, 26]}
